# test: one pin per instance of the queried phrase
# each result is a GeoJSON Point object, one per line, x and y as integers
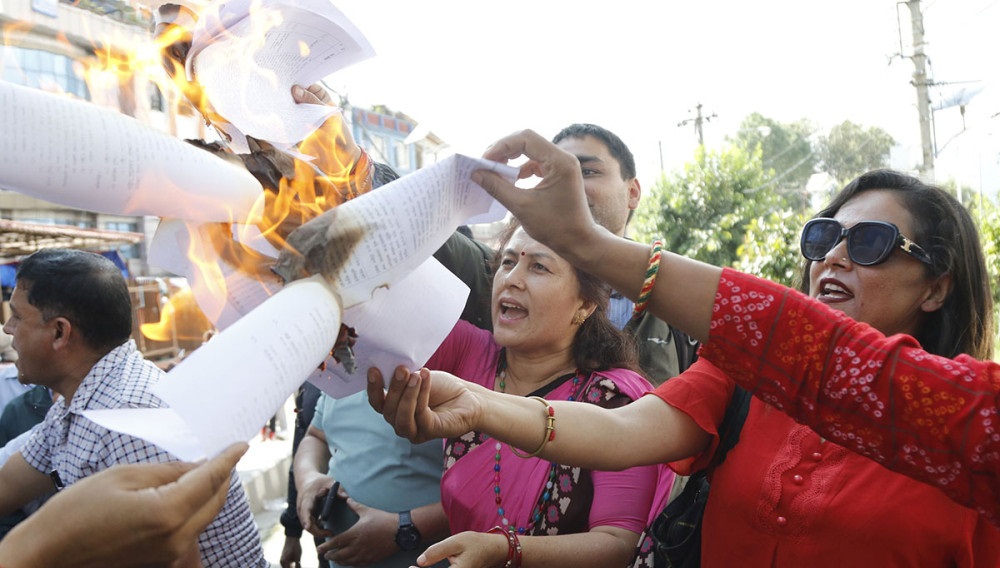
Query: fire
{"type": "Point", "coordinates": [296, 190]}
{"type": "Point", "coordinates": [180, 318]}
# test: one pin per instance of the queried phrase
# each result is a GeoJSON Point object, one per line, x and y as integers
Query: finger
{"type": "Point", "coordinates": [201, 492]}
{"type": "Point", "coordinates": [320, 93]}
{"type": "Point", "coordinates": [328, 546]}
{"type": "Point", "coordinates": [437, 552]}
{"type": "Point", "coordinates": [376, 389]}
{"type": "Point", "coordinates": [146, 475]}
{"type": "Point", "coordinates": [358, 508]}
{"type": "Point", "coordinates": [508, 147]}
{"type": "Point", "coordinates": [422, 413]}
{"type": "Point", "coordinates": [406, 424]}
{"type": "Point", "coordinates": [497, 186]}
{"type": "Point", "coordinates": [397, 385]}
{"type": "Point", "coordinates": [303, 96]}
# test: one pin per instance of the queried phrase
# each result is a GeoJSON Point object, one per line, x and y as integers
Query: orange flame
{"type": "Point", "coordinates": [301, 191]}
{"type": "Point", "coordinates": [180, 319]}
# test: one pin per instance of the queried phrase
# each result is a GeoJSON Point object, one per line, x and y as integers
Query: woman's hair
{"type": "Point", "coordinates": [598, 344]}
{"type": "Point", "coordinates": [944, 228]}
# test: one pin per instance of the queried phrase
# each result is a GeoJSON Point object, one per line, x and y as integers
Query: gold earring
{"type": "Point", "coordinates": [578, 319]}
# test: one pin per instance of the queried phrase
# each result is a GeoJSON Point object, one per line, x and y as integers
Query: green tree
{"type": "Point", "coordinates": [786, 151]}
{"type": "Point", "coordinates": [851, 150]}
{"type": "Point", "coordinates": [770, 247]}
{"type": "Point", "coordinates": [987, 215]}
{"type": "Point", "coordinates": [704, 211]}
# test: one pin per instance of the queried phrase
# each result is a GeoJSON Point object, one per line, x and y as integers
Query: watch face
{"type": "Point", "coordinates": [407, 537]}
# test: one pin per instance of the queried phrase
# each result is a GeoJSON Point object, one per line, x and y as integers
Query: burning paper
{"type": "Point", "coordinates": [100, 160]}
{"type": "Point", "coordinates": [227, 388]}
{"type": "Point", "coordinates": [291, 42]}
{"type": "Point", "coordinates": [374, 240]}
{"type": "Point", "coordinates": [224, 288]}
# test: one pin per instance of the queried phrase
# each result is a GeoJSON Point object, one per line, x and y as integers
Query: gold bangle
{"type": "Point", "coordinates": [550, 429]}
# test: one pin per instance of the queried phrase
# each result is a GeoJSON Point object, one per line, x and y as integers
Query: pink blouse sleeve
{"type": "Point", "coordinates": [624, 499]}
{"type": "Point", "coordinates": [931, 418]}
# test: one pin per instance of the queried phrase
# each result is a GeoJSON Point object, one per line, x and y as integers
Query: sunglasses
{"type": "Point", "coordinates": [868, 242]}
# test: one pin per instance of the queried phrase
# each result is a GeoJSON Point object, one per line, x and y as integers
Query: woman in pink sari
{"type": "Point", "coordinates": [551, 339]}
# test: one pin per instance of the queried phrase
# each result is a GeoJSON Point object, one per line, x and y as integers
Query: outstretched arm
{"type": "Point", "coordinates": [601, 546]}
{"type": "Point", "coordinates": [426, 404]}
{"type": "Point", "coordinates": [927, 417]}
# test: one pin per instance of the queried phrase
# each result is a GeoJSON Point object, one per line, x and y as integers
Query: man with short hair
{"type": "Point", "coordinates": [613, 193]}
{"type": "Point", "coordinates": [71, 319]}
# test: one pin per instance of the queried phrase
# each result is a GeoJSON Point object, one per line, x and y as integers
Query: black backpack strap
{"type": "Point", "coordinates": [732, 424]}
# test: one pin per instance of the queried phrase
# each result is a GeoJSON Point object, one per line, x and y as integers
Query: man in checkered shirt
{"type": "Point", "coordinates": [71, 318]}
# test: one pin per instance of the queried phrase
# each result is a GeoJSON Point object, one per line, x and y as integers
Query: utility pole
{"type": "Point", "coordinates": [921, 82]}
{"type": "Point", "coordinates": [698, 120]}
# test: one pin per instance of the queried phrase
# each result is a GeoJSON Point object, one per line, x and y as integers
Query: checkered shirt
{"type": "Point", "coordinates": [76, 447]}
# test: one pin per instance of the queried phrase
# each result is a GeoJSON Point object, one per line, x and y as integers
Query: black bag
{"type": "Point", "coordinates": [676, 531]}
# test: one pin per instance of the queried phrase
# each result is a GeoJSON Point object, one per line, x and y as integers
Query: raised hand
{"type": "Point", "coordinates": [555, 211]}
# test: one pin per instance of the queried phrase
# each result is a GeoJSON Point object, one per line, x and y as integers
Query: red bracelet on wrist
{"type": "Point", "coordinates": [514, 546]}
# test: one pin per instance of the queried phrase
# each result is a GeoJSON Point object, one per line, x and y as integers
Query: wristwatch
{"type": "Point", "coordinates": [407, 535]}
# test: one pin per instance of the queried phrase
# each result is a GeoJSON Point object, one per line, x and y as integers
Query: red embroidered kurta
{"type": "Point", "coordinates": [784, 497]}
{"type": "Point", "coordinates": [931, 418]}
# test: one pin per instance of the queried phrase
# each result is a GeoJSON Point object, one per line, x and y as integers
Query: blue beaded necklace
{"type": "Point", "coordinates": [536, 512]}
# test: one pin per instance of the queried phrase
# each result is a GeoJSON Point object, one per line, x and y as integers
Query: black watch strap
{"type": "Point", "coordinates": [407, 535]}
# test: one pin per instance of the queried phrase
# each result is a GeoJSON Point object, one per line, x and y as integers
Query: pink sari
{"type": "Point", "coordinates": [577, 499]}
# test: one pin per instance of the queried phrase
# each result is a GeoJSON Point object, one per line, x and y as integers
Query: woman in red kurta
{"type": "Point", "coordinates": [784, 496]}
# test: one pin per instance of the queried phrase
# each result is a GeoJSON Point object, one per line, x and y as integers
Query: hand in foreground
{"type": "Point", "coordinates": [555, 211]}
{"type": "Point", "coordinates": [467, 550]}
{"type": "Point", "coordinates": [128, 515]}
{"type": "Point", "coordinates": [424, 405]}
{"type": "Point", "coordinates": [291, 553]}
{"type": "Point", "coordinates": [368, 541]}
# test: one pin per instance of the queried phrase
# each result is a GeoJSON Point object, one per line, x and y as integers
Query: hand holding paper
{"type": "Point", "coordinates": [291, 42]}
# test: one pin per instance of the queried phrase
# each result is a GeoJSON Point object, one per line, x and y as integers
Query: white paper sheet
{"type": "Point", "coordinates": [281, 43]}
{"type": "Point", "coordinates": [403, 325]}
{"type": "Point", "coordinates": [405, 304]}
{"type": "Point", "coordinates": [407, 220]}
{"type": "Point", "coordinates": [229, 387]}
{"type": "Point", "coordinates": [100, 160]}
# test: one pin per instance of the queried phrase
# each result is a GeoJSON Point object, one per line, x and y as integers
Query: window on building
{"type": "Point", "coordinates": [42, 70]}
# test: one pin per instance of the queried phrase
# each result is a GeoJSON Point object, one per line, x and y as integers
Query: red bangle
{"type": "Point", "coordinates": [513, 544]}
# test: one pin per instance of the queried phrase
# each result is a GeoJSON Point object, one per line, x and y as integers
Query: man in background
{"type": "Point", "coordinates": [613, 193]}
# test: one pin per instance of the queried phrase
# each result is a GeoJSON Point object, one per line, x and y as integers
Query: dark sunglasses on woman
{"type": "Point", "coordinates": [868, 242]}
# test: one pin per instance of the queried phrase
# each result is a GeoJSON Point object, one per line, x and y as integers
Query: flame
{"type": "Point", "coordinates": [298, 192]}
{"type": "Point", "coordinates": [180, 318]}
